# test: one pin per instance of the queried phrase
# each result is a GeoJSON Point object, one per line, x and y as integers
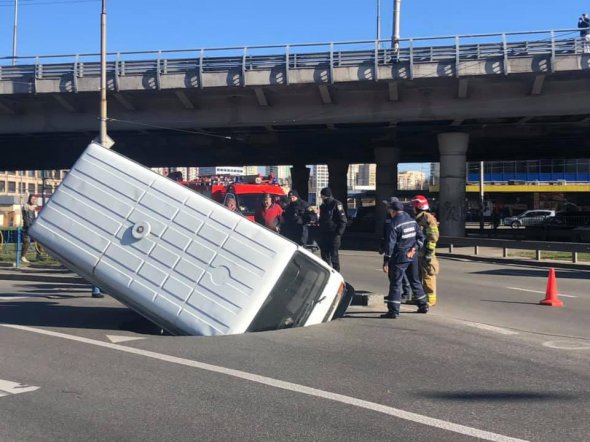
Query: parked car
{"type": "Point", "coordinates": [564, 226]}
{"type": "Point", "coordinates": [528, 218]}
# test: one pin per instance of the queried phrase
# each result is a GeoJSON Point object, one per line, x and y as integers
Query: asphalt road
{"type": "Point", "coordinates": [487, 363]}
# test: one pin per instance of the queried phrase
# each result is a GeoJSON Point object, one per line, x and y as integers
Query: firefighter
{"type": "Point", "coordinates": [401, 257]}
{"type": "Point", "coordinates": [428, 263]}
{"type": "Point", "coordinates": [332, 225]}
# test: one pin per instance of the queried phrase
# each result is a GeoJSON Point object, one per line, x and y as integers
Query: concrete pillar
{"type": "Point", "coordinates": [451, 212]}
{"type": "Point", "coordinates": [300, 180]}
{"type": "Point", "coordinates": [337, 175]}
{"type": "Point", "coordinates": [386, 159]}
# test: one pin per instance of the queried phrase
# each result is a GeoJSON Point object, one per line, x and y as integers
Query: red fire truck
{"type": "Point", "coordinates": [248, 190]}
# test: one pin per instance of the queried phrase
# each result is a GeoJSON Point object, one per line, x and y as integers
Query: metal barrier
{"type": "Point", "coordinates": [11, 241]}
{"type": "Point", "coordinates": [412, 51]}
{"type": "Point", "coordinates": [538, 246]}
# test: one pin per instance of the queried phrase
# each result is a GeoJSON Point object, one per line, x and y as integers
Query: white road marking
{"type": "Point", "coordinates": [539, 291]}
{"type": "Point", "coordinates": [289, 386]}
{"type": "Point", "coordinates": [8, 388]}
{"type": "Point", "coordinates": [117, 339]}
{"type": "Point", "coordinates": [567, 345]}
{"type": "Point", "coordinates": [502, 331]}
{"type": "Point", "coordinates": [12, 298]}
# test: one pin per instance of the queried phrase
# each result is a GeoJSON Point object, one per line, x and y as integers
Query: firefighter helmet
{"type": "Point", "coordinates": [419, 202]}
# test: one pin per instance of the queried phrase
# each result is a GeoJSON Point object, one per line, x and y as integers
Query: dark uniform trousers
{"type": "Point", "coordinates": [329, 245]}
{"type": "Point", "coordinates": [396, 274]}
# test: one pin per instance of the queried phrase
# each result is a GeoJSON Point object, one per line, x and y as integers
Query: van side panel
{"type": "Point", "coordinates": [180, 259]}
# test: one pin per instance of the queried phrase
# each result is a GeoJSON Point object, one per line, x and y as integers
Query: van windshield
{"type": "Point", "coordinates": [292, 299]}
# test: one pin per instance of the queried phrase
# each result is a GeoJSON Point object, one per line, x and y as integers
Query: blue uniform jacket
{"type": "Point", "coordinates": [404, 234]}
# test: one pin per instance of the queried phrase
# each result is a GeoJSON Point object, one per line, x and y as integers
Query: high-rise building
{"type": "Point", "coordinates": [367, 175]}
{"type": "Point", "coordinates": [411, 180]}
{"type": "Point", "coordinates": [319, 179]}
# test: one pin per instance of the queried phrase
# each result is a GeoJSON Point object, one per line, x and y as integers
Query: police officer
{"type": "Point", "coordinates": [296, 216]}
{"type": "Point", "coordinates": [332, 225]}
{"type": "Point", "coordinates": [429, 267]}
{"type": "Point", "coordinates": [406, 289]}
{"type": "Point", "coordinates": [401, 248]}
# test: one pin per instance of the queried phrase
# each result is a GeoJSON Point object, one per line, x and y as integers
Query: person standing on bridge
{"type": "Point", "coordinates": [332, 223]}
{"type": "Point", "coordinates": [584, 26]}
{"type": "Point", "coordinates": [429, 266]}
{"type": "Point", "coordinates": [401, 256]}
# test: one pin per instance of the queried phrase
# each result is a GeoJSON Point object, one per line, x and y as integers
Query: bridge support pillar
{"type": "Point", "coordinates": [300, 180]}
{"type": "Point", "coordinates": [453, 149]}
{"type": "Point", "coordinates": [337, 176]}
{"type": "Point", "coordinates": [386, 159]}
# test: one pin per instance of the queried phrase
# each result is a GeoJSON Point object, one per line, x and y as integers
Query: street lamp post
{"type": "Point", "coordinates": [396, 20]}
{"type": "Point", "coordinates": [14, 32]}
{"type": "Point", "coordinates": [379, 23]}
{"type": "Point", "coordinates": [103, 74]}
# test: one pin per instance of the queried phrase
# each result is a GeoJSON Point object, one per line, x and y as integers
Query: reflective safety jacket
{"type": "Point", "coordinates": [429, 225]}
{"type": "Point", "coordinates": [404, 234]}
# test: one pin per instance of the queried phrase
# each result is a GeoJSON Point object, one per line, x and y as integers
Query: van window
{"type": "Point", "coordinates": [292, 299]}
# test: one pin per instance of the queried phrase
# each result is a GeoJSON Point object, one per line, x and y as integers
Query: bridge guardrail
{"type": "Point", "coordinates": [460, 48]}
{"type": "Point", "coordinates": [538, 246]}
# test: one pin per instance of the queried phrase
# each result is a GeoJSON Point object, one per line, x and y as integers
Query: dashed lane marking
{"type": "Point", "coordinates": [284, 385]}
{"type": "Point", "coordinates": [8, 388]}
{"type": "Point", "coordinates": [502, 331]}
{"type": "Point", "coordinates": [567, 345]}
{"type": "Point", "coordinates": [539, 291]}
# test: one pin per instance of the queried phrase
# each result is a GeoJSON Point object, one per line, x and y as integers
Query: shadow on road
{"type": "Point", "coordinates": [52, 314]}
{"type": "Point", "coordinates": [497, 396]}
{"type": "Point", "coordinates": [540, 273]}
{"type": "Point", "coordinates": [511, 302]}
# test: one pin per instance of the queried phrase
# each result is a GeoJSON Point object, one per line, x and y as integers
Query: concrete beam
{"type": "Point", "coordinates": [124, 101]}
{"type": "Point", "coordinates": [393, 91]}
{"type": "Point", "coordinates": [537, 88]}
{"type": "Point", "coordinates": [261, 97]}
{"type": "Point", "coordinates": [457, 122]}
{"type": "Point", "coordinates": [463, 89]}
{"type": "Point", "coordinates": [65, 103]}
{"type": "Point", "coordinates": [186, 101]}
{"type": "Point", "coordinates": [325, 94]}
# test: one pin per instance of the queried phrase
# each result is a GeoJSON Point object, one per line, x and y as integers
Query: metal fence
{"type": "Point", "coordinates": [457, 49]}
{"type": "Point", "coordinates": [537, 246]}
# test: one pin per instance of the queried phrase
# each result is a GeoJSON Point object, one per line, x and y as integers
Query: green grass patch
{"type": "Point", "coordinates": [8, 256]}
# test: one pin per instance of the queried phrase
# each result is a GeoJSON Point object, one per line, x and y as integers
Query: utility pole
{"type": "Point", "coordinates": [103, 75]}
{"type": "Point", "coordinates": [396, 19]}
{"type": "Point", "coordinates": [481, 196]}
{"type": "Point", "coordinates": [14, 32]}
{"type": "Point", "coordinates": [379, 23]}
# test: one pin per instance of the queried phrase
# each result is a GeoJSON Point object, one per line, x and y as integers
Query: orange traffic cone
{"type": "Point", "coordinates": [551, 298]}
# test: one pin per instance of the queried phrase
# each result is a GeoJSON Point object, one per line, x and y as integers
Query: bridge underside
{"type": "Point", "coordinates": [522, 116]}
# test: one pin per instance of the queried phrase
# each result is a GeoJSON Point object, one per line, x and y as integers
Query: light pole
{"type": "Point", "coordinates": [14, 31]}
{"type": "Point", "coordinates": [379, 23]}
{"type": "Point", "coordinates": [396, 19]}
{"type": "Point", "coordinates": [103, 74]}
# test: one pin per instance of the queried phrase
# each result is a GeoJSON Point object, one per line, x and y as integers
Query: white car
{"type": "Point", "coordinates": [528, 218]}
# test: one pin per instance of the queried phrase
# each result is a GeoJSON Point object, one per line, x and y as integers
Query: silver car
{"type": "Point", "coordinates": [528, 218]}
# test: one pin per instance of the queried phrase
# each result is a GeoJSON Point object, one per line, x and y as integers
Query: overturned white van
{"type": "Point", "coordinates": [178, 258]}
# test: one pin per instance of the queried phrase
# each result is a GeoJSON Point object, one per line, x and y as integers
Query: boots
{"type": "Point", "coordinates": [431, 299]}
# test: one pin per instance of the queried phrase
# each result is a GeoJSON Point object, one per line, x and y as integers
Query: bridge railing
{"type": "Point", "coordinates": [505, 244]}
{"type": "Point", "coordinates": [411, 51]}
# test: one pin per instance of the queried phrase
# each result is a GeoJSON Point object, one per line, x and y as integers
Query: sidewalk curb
{"type": "Point", "coordinates": [524, 262]}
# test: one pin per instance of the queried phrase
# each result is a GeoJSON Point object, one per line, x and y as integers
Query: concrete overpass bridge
{"type": "Point", "coordinates": [492, 96]}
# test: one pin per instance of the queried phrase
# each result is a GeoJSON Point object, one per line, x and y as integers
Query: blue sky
{"type": "Point", "coordinates": [72, 26]}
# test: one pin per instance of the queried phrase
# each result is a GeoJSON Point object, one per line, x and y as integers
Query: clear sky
{"type": "Point", "coordinates": [72, 26]}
